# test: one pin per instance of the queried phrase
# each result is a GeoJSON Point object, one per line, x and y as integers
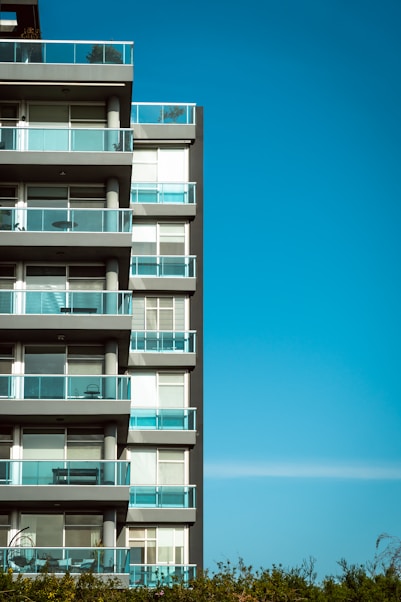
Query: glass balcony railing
{"type": "Point", "coordinates": [163, 341]}
{"type": "Point", "coordinates": [58, 386]}
{"type": "Point", "coordinates": [165, 113]}
{"type": "Point", "coordinates": [163, 193]}
{"type": "Point", "coordinates": [55, 52]}
{"type": "Point", "coordinates": [152, 575]}
{"type": "Point", "coordinates": [24, 559]}
{"type": "Point", "coordinates": [163, 419]}
{"type": "Point", "coordinates": [63, 302]}
{"type": "Point", "coordinates": [166, 496]}
{"type": "Point", "coordinates": [62, 472]}
{"type": "Point", "coordinates": [66, 220]}
{"type": "Point", "coordinates": [66, 139]}
{"type": "Point", "coordinates": [164, 266]}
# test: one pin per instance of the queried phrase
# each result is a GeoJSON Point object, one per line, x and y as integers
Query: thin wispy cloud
{"type": "Point", "coordinates": [303, 470]}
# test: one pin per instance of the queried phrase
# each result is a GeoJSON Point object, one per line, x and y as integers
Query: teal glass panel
{"type": "Point", "coordinates": [32, 51]}
{"type": "Point", "coordinates": [8, 138]}
{"type": "Point", "coordinates": [5, 472]}
{"type": "Point", "coordinates": [152, 575]}
{"type": "Point", "coordinates": [5, 385]}
{"type": "Point", "coordinates": [6, 302]}
{"type": "Point", "coordinates": [41, 139]}
{"type": "Point", "coordinates": [88, 140]}
{"type": "Point", "coordinates": [163, 419]}
{"type": "Point", "coordinates": [6, 219]}
{"type": "Point", "coordinates": [86, 302]}
{"type": "Point", "coordinates": [24, 559]}
{"type": "Point", "coordinates": [45, 302]}
{"type": "Point", "coordinates": [44, 387]}
{"type": "Point", "coordinates": [163, 341]}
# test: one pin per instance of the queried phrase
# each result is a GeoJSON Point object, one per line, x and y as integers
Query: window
{"type": "Point", "coordinates": [160, 165]}
{"type": "Point", "coordinates": [8, 121]}
{"type": "Point", "coordinates": [160, 389]}
{"type": "Point", "coordinates": [74, 115]}
{"type": "Point", "coordinates": [57, 204]}
{"type": "Point", "coordinates": [158, 545]}
{"type": "Point", "coordinates": [159, 313]}
{"type": "Point", "coordinates": [159, 239]}
{"type": "Point", "coordinates": [6, 442]}
{"type": "Point", "coordinates": [62, 444]}
{"type": "Point", "coordinates": [4, 529]}
{"type": "Point", "coordinates": [58, 530]}
{"type": "Point", "coordinates": [8, 198]}
{"type": "Point", "coordinates": [61, 118]}
{"type": "Point", "coordinates": [64, 196]}
{"type": "Point", "coordinates": [47, 367]}
{"type": "Point", "coordinates": [158, 467]}
{"type": "Point", "coordinates": [83, 530]}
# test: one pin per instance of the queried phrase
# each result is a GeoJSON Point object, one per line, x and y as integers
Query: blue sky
{"type": "Point", "coordinates": [302, 251]}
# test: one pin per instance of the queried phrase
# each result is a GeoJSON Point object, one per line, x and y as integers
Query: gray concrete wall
{"type": "Point", "coordinates": [196, 312]}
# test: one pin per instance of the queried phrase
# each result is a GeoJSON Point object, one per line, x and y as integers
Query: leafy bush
{"type": "Point", "coordinates": [230, 583]}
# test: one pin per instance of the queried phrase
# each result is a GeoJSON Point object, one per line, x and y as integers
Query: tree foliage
{"type": "Point", "coordinates": [230, 583]}
{"type": "Point", "coordinates": [104, 54]}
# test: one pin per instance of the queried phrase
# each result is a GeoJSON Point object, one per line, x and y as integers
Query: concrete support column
{"type": "Point", "coordinates": [111, 357]}
{"type": "Point", "coordinates": [112, 221]}
{"type": "Point", "coordinates": [111, 470]}
{"type": "Point", "coordinates": [110, 369]}
{"type": "Point", "coordinates": [112, 193]}
{"type": "Point", "coordinates": [113, 299]}
{"type": "Point", "coordinates": [109, 529]}
{"type": "Point", "coordinates": [110, 441]}
{"type": "Point", "coordinates": [114, 136]}
{"type": "Point", "coordinates": [113, 112]}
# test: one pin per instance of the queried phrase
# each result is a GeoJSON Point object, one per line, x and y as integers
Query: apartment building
{"type": "Point", "coordinates": [101, 311]}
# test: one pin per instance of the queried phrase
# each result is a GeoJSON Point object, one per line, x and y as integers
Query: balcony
{"type": "Point", "coordinates": [66, 220]}
{"type": "Point", "coordinates": [48, 139]}
{"type": "Point", "coordinates": [162, 426]}
{"type": "Point", "coordinates": [162, 341]}
{"type": "Point", "coordinates": [163, 113]}
{"type": "Point", "coordinates": [170, 419]}
{"type": "Point", "coordinates": [169, 272]}
{"type": "Point", "coordinates": [165, 496]}
{"type": "Point", "coordinates": [54, 386]}
{"type": "Point", "coordinates": [164, 121]}
{"type": "Point", "coordinates": [113, 561]}
{"type": "Point", "coordinates": [54, 52]}
{"type": "Point", "coordinates": [164, 266]}
{"type": "Point", "coordinates": [152, 575]}
{"type": "Point", "coordinates": [61, 472]}
{"type": "Point", "coordinates": [162, 348]}
{"type": "Point", "coordinates": [65, 303]}
{"type": "Point", "coordinates": [164, 199]}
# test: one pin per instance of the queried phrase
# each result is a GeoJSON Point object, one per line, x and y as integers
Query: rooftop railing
{"type": "Point", "coordinates": [163, 113]}
{"type": "Point", "coordinates": [163, 193]}
{"type": "Point", "coordinates": [60, 472]}
{"type": "Point", "coordinates": [163, 496]}
{"type": "Point", "coordinates": [35, 559]}
{"type": "Point", "coordinates": [62, 302]}
{"type": "Point", "coordinates": [163, 341]}
{"type": "Point", "coordinates": [163, 419]}
{"type": "Point", "coordinates": [55, 52]}
{"type": "Point", "coordinates": [164, 266]}
{"type": "Point", "coordinates": [48, 139]}
{"type": "Point", "coordinates": [58, 386]}
{"type": "Point", "coordinates": [34, 219]}
{"type": "Point", "coordinates": [152, 575]}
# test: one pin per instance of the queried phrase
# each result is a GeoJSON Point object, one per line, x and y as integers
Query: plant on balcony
{"type": "Point", "coordinates": [110, 55]}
